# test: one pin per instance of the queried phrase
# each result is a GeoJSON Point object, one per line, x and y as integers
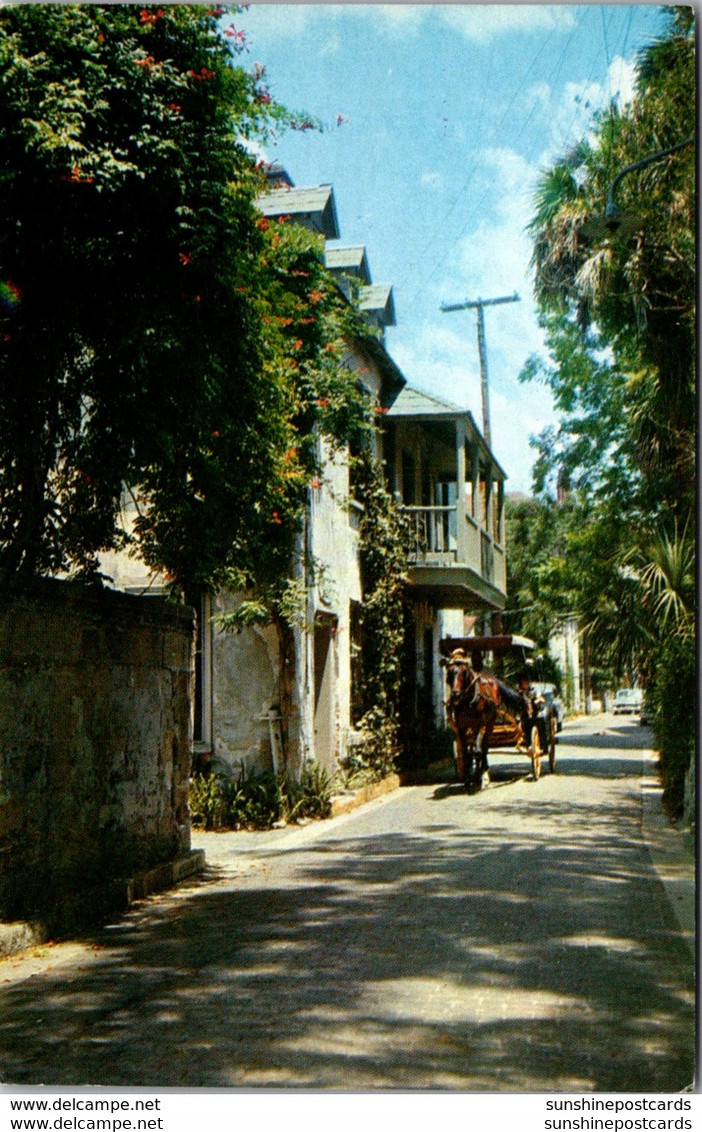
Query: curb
{"type": "Point", "coordinates": [18, 936]}
{"type": "Point", "coordinates": [114, 896]}
{"type": "Point", "coordinates": [343, 803]}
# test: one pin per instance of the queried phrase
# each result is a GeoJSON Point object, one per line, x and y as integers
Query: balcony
{"type": "Point", "coordinates": [451, 488]}
{"type": "Point", "coordinates": [454, 563]}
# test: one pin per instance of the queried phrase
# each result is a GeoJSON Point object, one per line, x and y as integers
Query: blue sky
{"type": "Point", "coordinates": [450, 112]}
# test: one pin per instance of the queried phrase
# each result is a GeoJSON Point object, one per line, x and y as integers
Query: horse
{"type": "Point", "coordinates": [476, 700]}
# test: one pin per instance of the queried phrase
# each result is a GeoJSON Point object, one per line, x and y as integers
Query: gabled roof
{"type": "Point", "coordinates": [348, 261]}
{"type": "Point", "coordinates": [413, 402]}
{"type": "Point", "coordinates": [314, 207]}
{"type": "Point", "coordinates": [417, 404]}
{"type": "Point", "coordinates": [377, 298]}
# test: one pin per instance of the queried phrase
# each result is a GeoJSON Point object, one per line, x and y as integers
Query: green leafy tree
{"type": "Point", "coordinates": [319, 407]}
{"type": "Point", "coordinates": [130, 342]}
{"type": "Point", "coordinates": [637, 281]}
{"type": "Point", "coordinates": [157, 334]}
{"type": "Point", "coordinates": [618, 304]}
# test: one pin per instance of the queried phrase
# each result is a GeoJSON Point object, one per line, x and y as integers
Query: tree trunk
{"type": "Point", "coordinates": [587, 682]}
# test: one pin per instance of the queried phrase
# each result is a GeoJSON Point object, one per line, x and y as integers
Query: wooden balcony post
{"type": "Point", "coordinates": [461, 528]}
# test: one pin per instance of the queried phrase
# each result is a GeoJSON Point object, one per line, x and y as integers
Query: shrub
{"type": "Point", "coordinates": [207, 802]}
{"type": "Point", "coordinates": [253, 801]}
{"type": "Point", "coordinates": [258, 801]}
{"type": "Point", "coordinates": [379, 747]}
{"type": "Point", "coordinates": [674, 698]}
{"type": "Point", "coordinates": [311, 798]}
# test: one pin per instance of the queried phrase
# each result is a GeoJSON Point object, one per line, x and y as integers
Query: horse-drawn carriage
{"type": "Point", "coordinates": [485, 712]}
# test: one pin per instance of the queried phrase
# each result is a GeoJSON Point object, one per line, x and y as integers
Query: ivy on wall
{"type": "Point", "coordinates": [384, 547]}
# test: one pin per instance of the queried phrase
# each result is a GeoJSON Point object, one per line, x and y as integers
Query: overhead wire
{"type": "Point", "coordinates": [454, 203]}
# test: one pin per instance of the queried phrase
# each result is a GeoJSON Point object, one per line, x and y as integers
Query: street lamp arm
{"type": "Point", "coordinates": [612, 209]}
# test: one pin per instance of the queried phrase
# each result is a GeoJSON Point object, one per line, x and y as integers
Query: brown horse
{"type": "Point", "coordinates": [475, 700]}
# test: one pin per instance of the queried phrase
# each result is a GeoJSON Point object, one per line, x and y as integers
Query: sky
{"type": "Point", "coordinates": [437, 121]}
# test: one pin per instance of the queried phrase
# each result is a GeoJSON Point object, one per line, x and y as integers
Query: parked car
{"type": "Point", "coordinates": [550, 693]}
{"type": "Point", "coordinates": [627, 701]}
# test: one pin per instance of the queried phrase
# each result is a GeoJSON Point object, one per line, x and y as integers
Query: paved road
{"type": "Point", "coordinates": [518, 940]}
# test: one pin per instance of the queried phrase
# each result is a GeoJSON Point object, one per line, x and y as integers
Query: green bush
{"type": "Point", "coordinates": [258, 801]}
{"type": "Point", "coordinates": [673, 694]}
{"type": "Point", "coordinates": [311, 798]}
{"type": "Point", "coordinates": [207, 802]}
{"type": "Point", "coordinates": [253, 801]}
{"type": "Point", "coordinates": [379, 747]}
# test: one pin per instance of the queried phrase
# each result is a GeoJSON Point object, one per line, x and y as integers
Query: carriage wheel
{"type": "Point", "coordinates": [553, 727]}
{"type": "Point", "coordinates": [536, 751]}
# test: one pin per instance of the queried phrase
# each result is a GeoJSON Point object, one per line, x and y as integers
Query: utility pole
{"type": "Point", "coordinates": [479, 304]}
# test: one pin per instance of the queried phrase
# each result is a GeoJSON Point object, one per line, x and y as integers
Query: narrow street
{"type": "Point", "coordinates": [518, 940]}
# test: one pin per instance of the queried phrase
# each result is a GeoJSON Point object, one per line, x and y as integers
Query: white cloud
{"type": "Point", "coordinates": [621, 78]}
{"type": "Point", "coordinates": [573, 117]}
{"type": "Point", "coordinates": [331, 47]}
{"type": "Point", "coordinates": [394, 17]}
{"type": "Point", "coordinates": [279, 19]}
{"type": "Point", "coordinates": [539, 94]}
{"type": "Point", "coordinates": [490, 260]}
{"type": "Point", "coordinates": [431, 180]}
{"type": "Point", "coordinates": [479, 23]}
{"type": "Point", "coordinates": [484, 22]}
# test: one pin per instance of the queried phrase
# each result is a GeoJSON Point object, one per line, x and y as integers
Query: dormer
{"type": "Point", "coordinates": [277, 177]}
{"type": "Point", "coordinates": [347, 263]}
{"type": "Point", "coordinates": [314, 208]}
{"type": "Point", "coordinates": [377, 305]}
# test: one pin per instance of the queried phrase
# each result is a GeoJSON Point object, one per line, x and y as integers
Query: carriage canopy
{"type": "Point", "coordinates": [499, 646]}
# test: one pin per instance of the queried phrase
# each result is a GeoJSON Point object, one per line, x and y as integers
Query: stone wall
{"type": "Point", "coordinates": [95, 742]}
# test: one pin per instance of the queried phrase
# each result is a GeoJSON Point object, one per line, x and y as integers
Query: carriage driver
{"type": "Point", "coordinates": [533, 702]}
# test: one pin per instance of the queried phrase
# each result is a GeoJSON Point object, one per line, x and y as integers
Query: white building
{"type": "Point", "coordinates": [441, 472]}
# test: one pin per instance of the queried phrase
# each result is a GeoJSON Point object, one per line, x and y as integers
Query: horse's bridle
{"type": "Point", "coordinates": [464, 692]}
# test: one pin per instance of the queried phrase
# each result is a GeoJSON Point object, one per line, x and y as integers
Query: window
{"type": "Point", "coordinates": [408, 480]}
{"type": "Point", "coordinates": [483, 498]}
{"type": "Point", "coordinates": [497, 504]}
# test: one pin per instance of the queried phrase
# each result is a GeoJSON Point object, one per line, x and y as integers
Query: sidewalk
{"type": "Point", "coordinates": [672, 851]}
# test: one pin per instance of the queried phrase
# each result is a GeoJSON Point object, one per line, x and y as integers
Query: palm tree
{"type": "Point", "coordinates": [668, 580]}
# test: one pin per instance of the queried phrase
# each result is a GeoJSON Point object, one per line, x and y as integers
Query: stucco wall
{"type": "Point", "coordinates": [245, 665]}
{"type": "Point", "coordinates": [244, 692]}
{"type": "Point", "coordinates": [334, 545]}
{"type": "Point", "coordinates": [95, 740]}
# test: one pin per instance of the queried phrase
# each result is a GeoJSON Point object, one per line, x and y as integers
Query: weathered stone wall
{"type": "Point", "coordinates": [94, 743]}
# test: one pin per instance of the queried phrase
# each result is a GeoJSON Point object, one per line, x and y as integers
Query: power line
{"type": "Point", "coordinates": [542, 47]}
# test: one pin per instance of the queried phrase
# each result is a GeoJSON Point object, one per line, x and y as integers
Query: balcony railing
{"type": "Point", "coordinates": [433, 532]}
{"type": "Point", "coordinates": [435, 540]}
{"type": "Point", "coordinates": [487, 557]}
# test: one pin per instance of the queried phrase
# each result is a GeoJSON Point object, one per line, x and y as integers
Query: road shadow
{"type": "Point", "coordinates": [609, 738]}
{"type": "Point", "coordinates": [532, 952]}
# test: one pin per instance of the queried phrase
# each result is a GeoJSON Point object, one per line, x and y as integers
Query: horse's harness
{"type": "Point", "coordinates": [478, 693]}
